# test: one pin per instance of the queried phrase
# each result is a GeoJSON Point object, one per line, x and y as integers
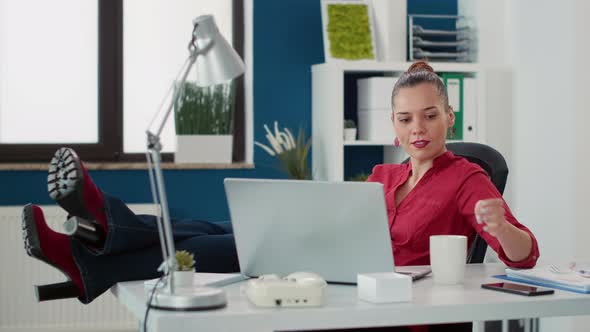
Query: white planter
{"type": "Point", "coordinates": [214, 149]}
{"type": "Point", "coordinates": [350, 134]}
{"type": "Point", "coordinates": [184, 278]}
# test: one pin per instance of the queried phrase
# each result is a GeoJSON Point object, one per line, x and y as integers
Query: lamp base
{"type": "Point", "coordinates": [189, 298]}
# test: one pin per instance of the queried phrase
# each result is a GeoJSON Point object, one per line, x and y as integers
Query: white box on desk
{"type": "Point", "coordinates": [384, 287]}
{"type": "Point", "coordinates": [375, 125]}
{"type": "Point", "coordinates": [375, 92]}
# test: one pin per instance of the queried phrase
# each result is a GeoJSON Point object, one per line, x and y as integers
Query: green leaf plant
{"type": "Point", "coordinates": [349, 31]}
{"type": "Point", "coordinates": [205, 110]}
{"type": "Point", "coordinates": [186, 260]}
{"type": "Point", "coordinates": [291, 153]}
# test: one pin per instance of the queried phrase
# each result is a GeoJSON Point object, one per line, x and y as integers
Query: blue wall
{"type": "Point", "coordinates": [434, 7]}
{"type": "Point", "coordinates": [287, 41]}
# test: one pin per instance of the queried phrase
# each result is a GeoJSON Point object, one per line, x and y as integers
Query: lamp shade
{"type": "Point", "coordinates": [217, 62]}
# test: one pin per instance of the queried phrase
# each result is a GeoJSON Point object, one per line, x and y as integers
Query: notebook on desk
{"type": "Point", "coordinates": [335, 229]}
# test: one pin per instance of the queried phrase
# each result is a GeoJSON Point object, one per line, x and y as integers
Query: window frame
{"type": "Point", "coordinates": [110, 98]}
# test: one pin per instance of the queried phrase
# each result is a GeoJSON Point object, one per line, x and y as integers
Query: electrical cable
{"type": "Point", "coordinates": [149, 302]}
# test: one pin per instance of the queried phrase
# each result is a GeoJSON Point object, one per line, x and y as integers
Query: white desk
{"type": "Point", "coordinates": [431, 304]}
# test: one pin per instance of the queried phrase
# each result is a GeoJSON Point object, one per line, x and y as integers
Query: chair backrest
{"type": "Point", "coordinates": [495, 165]}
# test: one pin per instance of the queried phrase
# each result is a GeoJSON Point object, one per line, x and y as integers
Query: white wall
{"type": "Point", "coordinates": [543, 44]}
{"type": "Point", "coordinates": [546, 38]}
{"type": "Point", "coordinates": [543, 51]}
{"type": "Point", "coordinates": [497, 78]}
{"type": "Point", "coordinates": [581, 133]}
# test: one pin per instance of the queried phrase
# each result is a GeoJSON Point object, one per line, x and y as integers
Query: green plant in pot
{"type": "Point", "coordinates": [185, 260]}
{"type": "Point", "coordinates": [204, 123]}
{"type": "Point", "coordinates": [184, 274]}
{"type": "Point", "coordinates": [349, 130]}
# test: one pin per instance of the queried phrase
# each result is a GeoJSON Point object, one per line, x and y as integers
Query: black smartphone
{"type": "Point", "coordinates": [518, 289]}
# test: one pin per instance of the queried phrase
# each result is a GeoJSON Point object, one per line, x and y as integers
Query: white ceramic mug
{"type": "Point", "coordinates": [448, 255]}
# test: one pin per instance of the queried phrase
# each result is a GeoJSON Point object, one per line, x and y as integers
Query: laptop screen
{"type": "Point", "coordinates": [335, 229]}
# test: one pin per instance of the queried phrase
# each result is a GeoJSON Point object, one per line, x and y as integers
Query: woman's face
{"type": "Point", "coordinates": [421, 122]}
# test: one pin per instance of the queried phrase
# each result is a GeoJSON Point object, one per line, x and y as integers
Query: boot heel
{"type": "Point", "coordinates": [62, 290]}
{"type": "Point", "coordinates": [88, 231]}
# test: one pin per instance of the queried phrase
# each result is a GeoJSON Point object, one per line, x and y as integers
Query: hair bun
{"type": "Point", "coordinates": [420, 66]}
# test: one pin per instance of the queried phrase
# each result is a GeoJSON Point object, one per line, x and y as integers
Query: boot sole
{"type": "Point", "coordinates": [33, 248]}
{"type": "Point", "coordinates": [65, 182]}
{"type": "Point", "coordinates": [30, 235]}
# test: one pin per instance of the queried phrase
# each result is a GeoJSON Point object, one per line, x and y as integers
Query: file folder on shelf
{"type": "Point", "coordinates": [454, 84]}
{"type": "Point", "coordinates": [470, 126]}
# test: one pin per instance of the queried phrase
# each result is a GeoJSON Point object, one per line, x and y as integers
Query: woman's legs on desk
{"type": "Point", "coordinates": [129, 247]}
{"type": "Point", "coordinates": [129, 232]}
{"type": "Point", "coordinates": [213, 253]}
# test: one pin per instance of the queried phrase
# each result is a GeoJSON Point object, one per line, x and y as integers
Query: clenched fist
{"type": "Point", "coordinates": [491, 212]}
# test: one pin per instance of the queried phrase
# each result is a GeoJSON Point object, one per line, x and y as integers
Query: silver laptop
{"type": "Point", "coordinates": [335, 229]}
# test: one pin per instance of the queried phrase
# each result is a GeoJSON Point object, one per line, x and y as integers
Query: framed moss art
{"type": "Point", "coordinates": [348, 30]}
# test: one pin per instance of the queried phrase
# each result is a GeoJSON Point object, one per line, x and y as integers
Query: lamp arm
{"type": "Point", "coordinates": [163, 267]}
{"type": "Point", "coordinates": [154, 159]}
{"type": "Point", "coordinates": [163, 219]}
{"type": "Point", "coordinates": [194, 51]}
{"type": "Point", "coordinates": [186, 69]}
{"type": "Point", "coordinates": [157, 185]}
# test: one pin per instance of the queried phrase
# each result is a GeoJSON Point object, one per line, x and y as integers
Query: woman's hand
{"type": "Point", "coordinates": [491, 212]}
{"type": "Point", "coordinates": [517, 244]}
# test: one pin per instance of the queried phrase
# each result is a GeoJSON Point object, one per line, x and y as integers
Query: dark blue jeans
{"type": "Point", "coordinates": [132, 248]}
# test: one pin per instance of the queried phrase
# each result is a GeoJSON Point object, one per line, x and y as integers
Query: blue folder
{"type": "Point", "coordinates": [543, 284]}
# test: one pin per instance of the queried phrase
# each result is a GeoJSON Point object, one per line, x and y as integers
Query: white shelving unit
{"type": "Point", "coordinates": [328, 110]}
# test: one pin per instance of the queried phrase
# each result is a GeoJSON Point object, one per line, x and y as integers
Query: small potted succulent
{"type": "Point", "coordinates": [183, 276]}
{"type": "Point", "coordinates": [349, 130]}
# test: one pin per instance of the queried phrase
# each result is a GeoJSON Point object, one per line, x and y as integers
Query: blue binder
{"type": "Point", "coordinates": [543, 284]}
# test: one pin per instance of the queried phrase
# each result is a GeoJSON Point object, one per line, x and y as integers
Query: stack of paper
{"type": "Point", "coordinates": [441, 38]}
{"type": "Point", "coordinates": [561, 278]}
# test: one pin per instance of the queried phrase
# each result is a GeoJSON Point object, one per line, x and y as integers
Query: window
{"type": "Point", "coordinates": [61, 75]}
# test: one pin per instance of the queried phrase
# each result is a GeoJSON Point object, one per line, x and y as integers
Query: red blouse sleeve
{"type": "Point", "coordinates": [478, 186]}
{"type": "Point", "coordinates": [378, 174]}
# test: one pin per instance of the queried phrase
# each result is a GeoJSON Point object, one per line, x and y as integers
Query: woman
{"type": "Point", "coordinates": [438, 192]}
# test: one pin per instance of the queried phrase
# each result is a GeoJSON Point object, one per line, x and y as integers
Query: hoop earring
{"type": "Point", "coordinates": [396, 142]}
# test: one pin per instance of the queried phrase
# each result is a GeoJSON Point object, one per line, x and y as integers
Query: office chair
{"type": "Point", "coordinates": [495, 165]}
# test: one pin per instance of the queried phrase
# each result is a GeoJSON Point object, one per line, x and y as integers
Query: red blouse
{"type": "Point", "coordinates": [442, 202]}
